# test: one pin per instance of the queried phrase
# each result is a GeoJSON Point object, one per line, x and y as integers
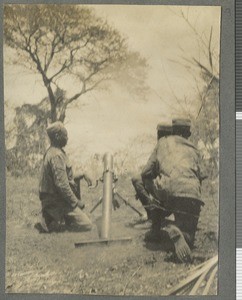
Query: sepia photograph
{"type": "Point", "coordinates": [112, 126]}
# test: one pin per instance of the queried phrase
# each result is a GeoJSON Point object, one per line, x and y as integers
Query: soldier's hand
{"type": "Point", "coordinates": [87, 179]}
{"type": "Point", "coordinates": [79, 176]}
{"type": "Point", "coordinates": [81, 204]}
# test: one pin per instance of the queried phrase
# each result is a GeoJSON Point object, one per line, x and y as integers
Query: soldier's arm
{"type": "Point", "coordinates": [58, 168]}
{"type": "Point", "coordinates": [79, 176]}
{"type": "Point", "coordinates": [150, 169]}
{"type": "Point", "coordinates": [202, 173]}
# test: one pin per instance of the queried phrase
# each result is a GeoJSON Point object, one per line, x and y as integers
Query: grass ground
{"type": "Point", "coordinates": [49, 263]}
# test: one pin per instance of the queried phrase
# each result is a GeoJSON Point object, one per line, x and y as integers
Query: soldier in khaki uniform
{"type": "Point", "coordinates": [59, 194]}
{"type": "Point", "coordinates": [176, 189]}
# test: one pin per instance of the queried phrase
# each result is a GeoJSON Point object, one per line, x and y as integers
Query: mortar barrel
{"type": "Point", "coordinates": [107, 195]}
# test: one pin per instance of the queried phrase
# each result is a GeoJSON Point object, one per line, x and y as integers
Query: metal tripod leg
{"type": "Point", "coordinates": [96, 205]}
{"type": "Point", "coordinates": [106, 200]}
{"type": "Point", "coordinates": [127, 203]}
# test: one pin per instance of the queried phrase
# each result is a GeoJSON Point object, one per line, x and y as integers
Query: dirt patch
{"type": "Point", "coordinates": [49, 263]}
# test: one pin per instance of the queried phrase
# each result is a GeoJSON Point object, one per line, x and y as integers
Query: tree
{"type": "Point", "coordinates": [68, 40]}
{"type": "Point", "coordinates": [204, 109]}
{"type": "Point", "coordinates": [26, 138]}
{"type": "Point", "coordinates": [58, 42]}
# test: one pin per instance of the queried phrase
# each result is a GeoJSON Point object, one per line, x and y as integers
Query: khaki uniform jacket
{"type": "Point", "coordinates": [174, 164]}
{"type": "Point", "coordinates": [56, 184]}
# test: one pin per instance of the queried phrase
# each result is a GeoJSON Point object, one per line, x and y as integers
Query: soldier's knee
{"type": "Point", "coordinates": [88, 224]}
{"type": "Point", "coordinates": [80, 226]}
{"type": "Point", "coordinates": [88, 227]}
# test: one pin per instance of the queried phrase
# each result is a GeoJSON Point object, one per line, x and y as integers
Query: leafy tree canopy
{"type": "Point", "coordinates": [70, 40]}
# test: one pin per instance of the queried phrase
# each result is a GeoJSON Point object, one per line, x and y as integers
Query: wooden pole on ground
{"type": "Point", "coordinates": [194, 281]}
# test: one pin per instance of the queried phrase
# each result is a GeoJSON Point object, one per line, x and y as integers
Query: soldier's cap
{"type": "Point", "coordinates": [164, 127]}
{"type": "Point", "coordinates": [54, 128]}
{"type": "Point", "coordinates": [180, 122]}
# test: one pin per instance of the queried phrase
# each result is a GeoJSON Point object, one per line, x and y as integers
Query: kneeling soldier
{"type": "Point", "coordinates": [178, 187]}
{"type": "Point", "coordinates": [58, 189]}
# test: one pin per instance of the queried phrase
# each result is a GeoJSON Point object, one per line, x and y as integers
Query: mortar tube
{"type": "Point", "coordinates": [107, 195]}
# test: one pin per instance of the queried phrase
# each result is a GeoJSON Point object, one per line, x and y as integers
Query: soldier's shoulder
{"type": "Point", "coordinates": [54, 152]}
{"type": "Point", "coordinates": [184, 141]}
{"type": "Point", "coordinates": [165, 140]}
{"type": "Point", "coordinates": [179, 142]}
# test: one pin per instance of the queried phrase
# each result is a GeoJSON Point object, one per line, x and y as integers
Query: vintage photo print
{"type": "Point", "coordinates": [112, 149]}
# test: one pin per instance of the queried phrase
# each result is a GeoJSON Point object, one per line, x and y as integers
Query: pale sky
{"type": "Point", "coordinates": [107, 120]}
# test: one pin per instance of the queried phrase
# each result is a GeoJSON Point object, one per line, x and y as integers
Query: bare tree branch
{"type": "Point", "coordinates": [209, 50]}
{"type": "Point", "coordinates": [206, 70]}
{"type": "Point", "coordinates": [178, 101]}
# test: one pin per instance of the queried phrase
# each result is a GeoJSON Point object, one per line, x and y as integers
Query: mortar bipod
{"type": "Point", "coordinates": [116, 198]}
{"type": "Point", "coordinates": [106, 200]}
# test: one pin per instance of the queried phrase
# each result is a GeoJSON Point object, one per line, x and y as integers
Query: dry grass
{"type": "Point", "coordinates": [42, 263]}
